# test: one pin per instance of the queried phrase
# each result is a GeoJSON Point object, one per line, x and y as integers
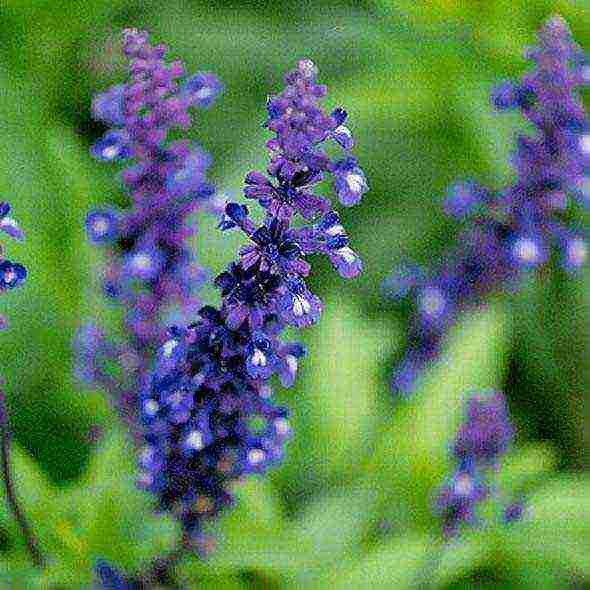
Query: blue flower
{"type": "Point", "coordinates": [202, 89]}
{"type": "Point", "coordinates": [150, 270]}
{"type": "Point", "coordinates": [109, 578]}
{"type": "Point", "coordinates": [113, 145]}
{"type": "Point", "coordinates": [102, 226]}
{"type": "Point", "coordinates": [483, 437]}
{"type": "Point", "coordinates": [9, 225]}
{"type": "Point", "coordinates": [350, 182]}
{"type": "Point", "coordinates": [108, 106]}
{"type": "Point", "coordinates": [11, 274]}
{"type": "Point", "coordinates": [208, 410]}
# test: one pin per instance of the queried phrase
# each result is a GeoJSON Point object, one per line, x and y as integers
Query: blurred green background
{"type": "Point", "coordinates": [350, 507]}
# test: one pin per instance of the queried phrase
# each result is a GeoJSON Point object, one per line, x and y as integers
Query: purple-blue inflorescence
{"type": "Point", "coordinates": [514, 229]}
{"type": "Point", "coordinates": [12, 274]}
{"type": "Point", "coordinates": [208, 410]}
{"type": "Point", "coordinates": [150, 271]}
{"type": "Point", "coordinates": [483, 437]}
{"type": "Point", "coordinates": [108, 577]}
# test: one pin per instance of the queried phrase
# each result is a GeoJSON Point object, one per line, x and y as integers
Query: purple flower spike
{"type": "Point", "coordinates": [483, 437]}
{"type": "Point", "coordinates": [512, 230]}
{"type": "Point", "coordinates": [208, 411]}
{"type": "Point", "coordinates": [150, 270]}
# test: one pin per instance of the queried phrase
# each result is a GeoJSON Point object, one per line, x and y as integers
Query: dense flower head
{"type": "Point", "coordinates": [208, 408]}
{"type": "Point", "coordinates": [514, 229]}
{"type": "Point", "coordinates": [483, 438]}
{"type": "Point", "coordinates": [12, 274]}
{"type": "Point", "coordinates": [149, 269]}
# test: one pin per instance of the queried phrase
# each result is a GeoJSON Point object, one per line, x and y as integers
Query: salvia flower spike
{"type": "Point", "coordinates": [483, 438]}
{"type": "Point", "coordinates": [515, 229]}
{"type": "Point", "coordinates": [208, 410]}
{"type": "Point", "coordinates": [150, 270]}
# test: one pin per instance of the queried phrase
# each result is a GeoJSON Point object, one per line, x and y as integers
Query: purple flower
{"type": "Point", "coordinates": [9, 225]}
{"type": "Point", "coordinates": [102, 226]}
{"type": "Point", "coordinates": [350, 182]}
{"type": "Point", "coordinates": [457, 500]}
{"type": "Point", "coordinates": [486, 431]}
{"type": "Point", "coordinates": [483, 437]}
{"type": "Point", "coordinates": [514, 229]}
{"type": "Point", "coordinates": [108, 106]}
{"type": "Point", "coordinates": [150, 270]}
{"type": "Point", "coordinates": [202, 89]}
{"type": "Point", "coordinates": [465, 198]}
{"type": "Point", "coordinates": [12, 274]}
{"type": "Point", "coordinates": [513, 512]}
{"type": "Point", "coordinates": [223, 423]}
{"type": "Point", "coordinates": [109, 578]}
{"type": "Point", "coordinates": [113, 145]}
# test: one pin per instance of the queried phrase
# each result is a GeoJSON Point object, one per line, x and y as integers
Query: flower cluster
{"type": "Point", "coordinates": [514, 229]}
{"type": "Point", "coordinates": [109, 578]}
{"type": "Point", "coordinates": [150, 270]}
{"type": "Point", "coordinates": [208, 410]}
{"type": "Point", "coordinates": [482, 439]}
{"type": "Point", "coordinates": [12, 274]}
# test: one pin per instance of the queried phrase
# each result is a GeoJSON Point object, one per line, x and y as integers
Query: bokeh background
{"type": "Point", "coordinates": [350, 507]}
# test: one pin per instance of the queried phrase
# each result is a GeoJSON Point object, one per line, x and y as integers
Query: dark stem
{"type": "Point", "coordinates": [11, 498]}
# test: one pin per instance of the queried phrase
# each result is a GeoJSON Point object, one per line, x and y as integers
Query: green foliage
{"type": "Point", "coordinates": [350, 507]}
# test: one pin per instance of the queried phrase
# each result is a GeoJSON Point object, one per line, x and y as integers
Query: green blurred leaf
{"type": "Point", "coordinates": [106, 516]}
{"type": "Point", "coordinates": [524, 467]}
{"type": "Point", "coordinates": [37, 498]}
{"type": "Point", "coordinates": [339, 399]}
{"type": "Point", "coordinates": [462, 557]}
{"type": "Point", "coordinates": [555, 528]}
{"type": "Point", "coordinates": [397, 565]}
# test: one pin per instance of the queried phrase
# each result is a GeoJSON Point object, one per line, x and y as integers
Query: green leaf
{"type": "Point", "coordinates": [106, 512]}
{"type": "Point", "coordinates": [524, 467]}
{"type": "Point", "coordinates": [38, 499]}
{"type": "Point", "coordinates": [326, 533]}
{"type": "Point", "coordinates": [339, 399]}
{"type": "Point", "coordinates": [397, 564]}
{"type": "Point", "coordinates": [555, 528]}
{"type": "Point", "coordinates": [460, 558]}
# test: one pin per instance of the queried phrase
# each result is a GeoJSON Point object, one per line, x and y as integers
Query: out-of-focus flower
{"type": "Point", "coordinates": [512, 230]}
{"type": "Point", "coordinates": [483, 438]}
{"type": "Point", "coordinates": [149, 268]}
{"type": "Point", "coordinates": [107, 577]}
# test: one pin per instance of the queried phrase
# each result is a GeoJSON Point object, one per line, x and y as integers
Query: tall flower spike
{"type": "Point", "coordinates": [150, 271]}
{"type": "Point", "coordinates": [514, 229]}
{"type": "Point", "coordinates": [483, 437]}
{"type": "Point", "coordinates": [208, 410]}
